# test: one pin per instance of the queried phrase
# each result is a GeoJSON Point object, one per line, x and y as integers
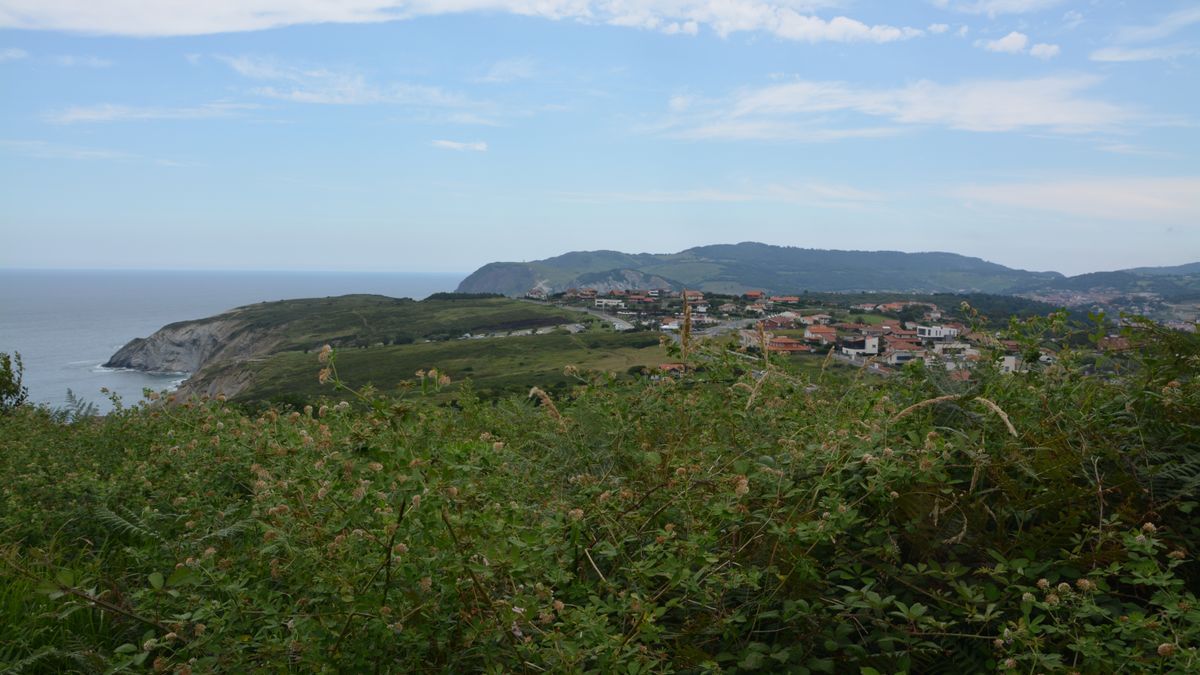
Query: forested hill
{"type": "Point", "coordinates": [736, 268]}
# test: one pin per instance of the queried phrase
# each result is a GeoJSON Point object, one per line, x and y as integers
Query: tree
{"type": "Point", "coordinates": [12, 392]}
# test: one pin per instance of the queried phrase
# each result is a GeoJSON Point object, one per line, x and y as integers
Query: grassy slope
{"type": "Point", "coordinates": [494, 364]}
{"type": "Point", "coordinates": [369, 319]}
{"type": "Point", "coordinates": [722, 522]}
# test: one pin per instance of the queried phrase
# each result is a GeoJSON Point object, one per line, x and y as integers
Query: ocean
{"type": "Point", "coordinates": [66, 323]}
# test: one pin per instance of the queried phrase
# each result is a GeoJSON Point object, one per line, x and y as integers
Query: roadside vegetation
{"type": "Point", "coordinates": [740, 516]}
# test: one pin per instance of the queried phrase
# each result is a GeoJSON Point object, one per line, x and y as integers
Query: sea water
{"type": "Point", "coordinates": [66, 323]}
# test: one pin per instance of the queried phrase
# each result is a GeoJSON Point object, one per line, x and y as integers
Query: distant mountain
{"type": "Point", "coordinates": [1187, 269]}
{"type": "Point", "coordinates": [736, 268]}
{"type": "Point", "coordinates": [1169, 283]}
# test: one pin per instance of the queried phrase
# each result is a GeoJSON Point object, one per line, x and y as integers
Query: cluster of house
{"type": "Point", "coordinates": [891, 341]}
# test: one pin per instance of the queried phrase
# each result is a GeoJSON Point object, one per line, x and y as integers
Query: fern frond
{"type": "Point", "coordinates": [129, 525]}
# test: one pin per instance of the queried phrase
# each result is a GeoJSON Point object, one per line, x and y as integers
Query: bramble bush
{"type": "Point", "coordinates": [739, 517]}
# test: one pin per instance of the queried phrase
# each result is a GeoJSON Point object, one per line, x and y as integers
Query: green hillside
{"type": "Point", "coordinates": [747, 266]}
{"type": "Point", "coordinates": [739, 517]}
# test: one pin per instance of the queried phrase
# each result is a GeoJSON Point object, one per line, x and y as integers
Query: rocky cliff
{"type": "Point", "coordinates": [222, 353]}
{"type": "Point", "coordinates": [188, 346]}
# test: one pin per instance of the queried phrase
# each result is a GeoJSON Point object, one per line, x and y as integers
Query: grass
{"type": "Point", "coordinates": [494, 365]}
{"type": "Point", "coordinates": [360, 320]}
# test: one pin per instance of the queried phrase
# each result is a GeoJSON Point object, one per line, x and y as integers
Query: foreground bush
{"type": "Point", "coordinates": [730, 520]}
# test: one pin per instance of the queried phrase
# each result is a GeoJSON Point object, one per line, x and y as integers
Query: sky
{"type": "Point", "coordinates": [439, 135]}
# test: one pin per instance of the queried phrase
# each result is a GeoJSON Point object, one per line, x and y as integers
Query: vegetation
{"type": "Point", "coordinates": [361, 320]}
{"type": "Point", "coordinates": [12, 392]}
{"type": "Point", "coordinates": [749, 265]}
{"type": "Point", "coordinates": [741, 517]}
{"type": "Point", "coordinates": [495, 366]}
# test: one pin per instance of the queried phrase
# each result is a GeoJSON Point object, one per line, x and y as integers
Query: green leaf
{"type": "Point", "coordinates": [181, 577]}
{"type": "Point", "coordinates": [156, 580]}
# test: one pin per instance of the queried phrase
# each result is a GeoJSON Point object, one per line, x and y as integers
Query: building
{"type": "Point", "coordinates": [610, 302]}
{"type": "Point", "coordinates": [867, 346]}
{"type": "Point", "coordinates": [787, 345]}
{"type": "Point", "coordinates": [936, 332]}
{"type": "Point", "coordinates": [900, 352]}
{"type": "Point", "coordinates": [823, 334]}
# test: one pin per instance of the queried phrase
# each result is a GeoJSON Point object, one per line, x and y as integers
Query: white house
{"type": "Point", "coordinates": [610, 302]}
{"type": "Point", "coordinates": [936, 332]}
{"type": "Point", "coordinates": [868, 346]}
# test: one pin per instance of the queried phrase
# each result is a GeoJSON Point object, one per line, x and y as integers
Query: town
{"type": "Point", "coordinates": [878, 336]}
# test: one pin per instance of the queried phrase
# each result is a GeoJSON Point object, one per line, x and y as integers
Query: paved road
{"type": "Point", "coordinates": [617, 324]}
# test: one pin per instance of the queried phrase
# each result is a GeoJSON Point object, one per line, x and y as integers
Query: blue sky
{"type": "Point", "coordinates": [440, 135]}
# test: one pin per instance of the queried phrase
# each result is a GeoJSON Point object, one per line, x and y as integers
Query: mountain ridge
{"type": "Point", "coordinates": [736, 268]}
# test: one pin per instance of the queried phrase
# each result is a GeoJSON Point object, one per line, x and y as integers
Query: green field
{"type": "Point", "coordinates": [362, 320]}
{"type": "Point", "coordinates": [494, 365]}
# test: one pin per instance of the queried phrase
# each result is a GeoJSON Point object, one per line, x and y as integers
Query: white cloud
{"type": "Point", "coordinates": [330, 87]}
{"type": "Point", "coordinates": [1013, 43]}
{"type": "Point", "coordinates": [1166, 26]}
{"type": "Point", "coordinates": [1044, 51]}
{"type": "Point", "coordinates": [679, 103]}
{"type": "Point", "coordinates": [1134, 199]}
{"type": "Point", "coordinates": [824, 111]}
{"type": "Point", "coordinates": [68, 61]}
{"type": "Point", "coordinates": [997, 7]}
{"type": "Point", "coordinates": [1072, 19]}
{"type": "Point", "coordinates": [1128, 54]}
{"type": "Point", "coordinates": [12, 54]}
{"type": "Point", "coordinates": [460, 146]}
{"type": "Point", "coordinates": [509, 70]}
{"type": "Point", "coordinates": [938, 28]}
{"type": "Point", "coordinates": [774, 130]}
{"type": "Point", "coordinates": [789, 19]}
{"type": "Point", "coordinates": [46, 150]}
{"type": "Point", "coordinates": [110, 112]}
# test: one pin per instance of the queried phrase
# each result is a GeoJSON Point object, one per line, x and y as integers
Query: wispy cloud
{"type": "Point", "coordinates": [1130, 41]}
{"type": "Point", "coordinates": [1165, 26]}
{"type": "Point", "coordinates": [70, 61]}
{"type": "Point", "coordinates": [997, 7]}
{"type": "Point", "coordinates": [461, 146]}
{"type": "Point", "coordinates": [788, 19]}
{"type": "Point", "coordinates": [1130, 54]}
{"type": "Point", "coordinates": [509, 70]}
{"type": "Point", "coordinates": [111, 112]}
{"type": "Point", "coordinates": [823, 111]}
{"type": "Point", "coordinates": [335, 87]}
{"type": "Point", "coordinates": [1134, 199]}
{"type": "Point", "coordinates": [12, 54]}
{"type": "Point", "coordinates": [47, 150]}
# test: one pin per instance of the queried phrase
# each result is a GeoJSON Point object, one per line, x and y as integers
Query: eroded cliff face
{"type": "Point", "coordinates": [187, 347]}
{"type": "Point", "coordinates": [177, 348]}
